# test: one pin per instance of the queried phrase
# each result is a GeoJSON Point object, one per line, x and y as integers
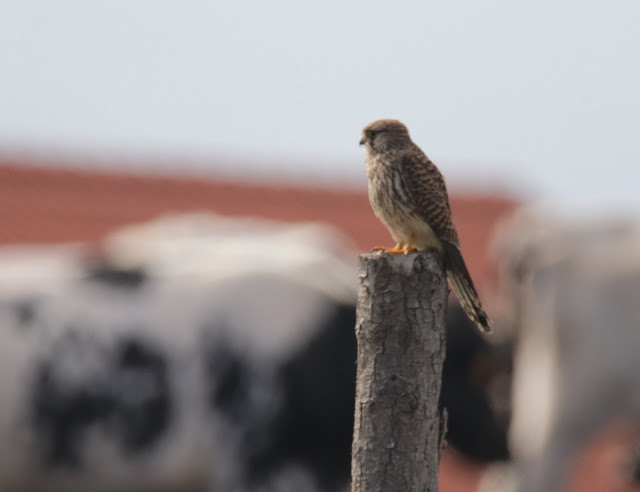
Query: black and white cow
{"type": "Point", "coordinates": [197, 354]}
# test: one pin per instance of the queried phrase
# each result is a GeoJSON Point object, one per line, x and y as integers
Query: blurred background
{"type": "Point", "coordinates": [182, 200]}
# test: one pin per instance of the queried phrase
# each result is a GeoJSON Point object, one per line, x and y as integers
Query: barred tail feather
{"type": "Point", "coordinates": [463, 286]}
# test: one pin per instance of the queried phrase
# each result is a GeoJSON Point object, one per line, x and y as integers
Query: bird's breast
{"type": "Point", "coordinates": [386, 188]}
{"type": "Point", "coordinates": [387, 193]}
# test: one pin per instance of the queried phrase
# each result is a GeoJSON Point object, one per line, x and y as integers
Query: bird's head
{"type": "Point", "coordinates": [383, 135]}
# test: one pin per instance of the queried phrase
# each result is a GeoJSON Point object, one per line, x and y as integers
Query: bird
{"type": "Point", "coordinates": [408, 194]}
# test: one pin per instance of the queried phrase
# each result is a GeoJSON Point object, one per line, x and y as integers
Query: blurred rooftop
{"type": "Point", "coordinates": [55, 204]}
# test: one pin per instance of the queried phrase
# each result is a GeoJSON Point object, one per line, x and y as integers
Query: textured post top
{"type": "Point", "coordinates": [392, 285]}
{"type": "Point", "coordinates": [408, 264]}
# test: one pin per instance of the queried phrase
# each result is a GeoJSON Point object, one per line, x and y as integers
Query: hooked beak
{"type": "Point", "coordinates": [363, 139]}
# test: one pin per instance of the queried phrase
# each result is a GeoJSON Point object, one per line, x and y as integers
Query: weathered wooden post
{"type": "Point", "coordinates": [400, 328]}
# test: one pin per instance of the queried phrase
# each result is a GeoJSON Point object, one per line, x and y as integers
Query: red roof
{"type": "Point", "coordinates": [53, 205]}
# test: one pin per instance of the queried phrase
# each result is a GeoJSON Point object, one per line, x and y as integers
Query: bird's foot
{"type": "Point", "coordinates": [408, 249]}
{"type": "Point", "coordinates": [396, 250]}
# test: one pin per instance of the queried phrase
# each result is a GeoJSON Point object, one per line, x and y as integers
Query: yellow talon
{"type": "Point", "coordinates": [397, 249]}
{"type": "Point", "coordinates": [408, 249]}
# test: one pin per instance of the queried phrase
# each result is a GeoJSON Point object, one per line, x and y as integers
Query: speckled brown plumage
{"type": "Point", "coordinates": [408, 194]}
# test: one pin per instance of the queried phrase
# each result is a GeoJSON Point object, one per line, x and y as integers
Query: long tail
{"type": "Point", "coordinates": [463, 286]}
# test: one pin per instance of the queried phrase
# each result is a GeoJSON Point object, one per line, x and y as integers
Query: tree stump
{"type": "Point", "coordinates": [401, 318]}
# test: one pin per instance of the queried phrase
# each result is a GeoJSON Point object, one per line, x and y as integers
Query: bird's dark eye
{"type": "Point", "coordinates": [372, 133]}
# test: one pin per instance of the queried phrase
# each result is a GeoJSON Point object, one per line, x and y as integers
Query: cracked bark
{"type": "Point", "coordinates": [400, 329]}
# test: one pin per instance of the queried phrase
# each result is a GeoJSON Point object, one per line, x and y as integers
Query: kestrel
{"type": "Point", "coordinates": [408, 194]}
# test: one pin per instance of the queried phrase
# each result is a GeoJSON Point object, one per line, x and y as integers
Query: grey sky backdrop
{"type": "Point", "coordinates": [536, 96]}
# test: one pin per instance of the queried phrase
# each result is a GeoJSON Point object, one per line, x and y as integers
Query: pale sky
{"type": "Point", "coordinates": [541, 97]}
